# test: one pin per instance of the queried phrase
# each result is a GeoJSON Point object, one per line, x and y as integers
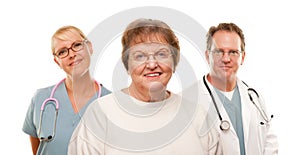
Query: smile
{"type": "Point", "coordinates": [153, 74]}
{"type": "Point", "coordinates": [75, 63]}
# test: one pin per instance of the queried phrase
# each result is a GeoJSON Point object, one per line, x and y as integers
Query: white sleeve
{"type": "Point", "coordinates": [271, 141]}
{"type": "Point", "coordinates": [270, 138]}
{"type": "Point", "coordinates": [208, 134]}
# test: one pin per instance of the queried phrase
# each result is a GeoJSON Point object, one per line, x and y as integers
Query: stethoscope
{"type": "Point", "coordinates": [54, 101]}
{"type": "Point", "coordinates": [225, 125]}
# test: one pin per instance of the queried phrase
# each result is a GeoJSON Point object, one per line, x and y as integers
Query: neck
{"type": "Point", "coordinates": [80, 90]}
{"type": "Point", "coordinates": [148, 95]}
{"type": "Point", "coordinates": [222, 84]}
{"type": "Point", "coordinates": [81, 86]}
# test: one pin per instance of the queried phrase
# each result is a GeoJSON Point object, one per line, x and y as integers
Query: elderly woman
{"type": "Point", "coordinates": [144, 118]}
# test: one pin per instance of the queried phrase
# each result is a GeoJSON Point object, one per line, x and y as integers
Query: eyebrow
{"type": "Point", "coordinates": [224, 50]}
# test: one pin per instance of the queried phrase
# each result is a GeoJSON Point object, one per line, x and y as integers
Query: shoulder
{"type": "Point", "coordinates": [97, 106]}
{"type": "Point", "coordinates": [242, 84]}
{"type": "Point", "coordinates": [203, 118]}
{"type": "Point", "coordinates": [247, 89]}
{"type": "Point", "coordinates": [42, 94]}
{"type": "Point", "coordinates": [44, 90]}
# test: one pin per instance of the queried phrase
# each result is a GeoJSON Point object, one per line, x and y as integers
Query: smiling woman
{"type": "Point", "coordinates": [271, 64]}
{"type": "Point", "coordinates": [149, 75]}
{"type": "Point", "coordinates": [50, 127]}
{"type": "Point", "coordinates": [141, 118]}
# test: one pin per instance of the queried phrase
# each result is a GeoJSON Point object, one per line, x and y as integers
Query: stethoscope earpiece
{"type": "Point", "coordinates": [48, 139]}
{"type": "Point", "coordinates": [262, 123]}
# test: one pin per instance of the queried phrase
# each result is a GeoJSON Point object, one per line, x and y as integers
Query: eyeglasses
{"type": "Point", "coordinates": [64, 52]}
{"type": "Point", "coordinates": [161, 55]}
{"type": "Point", "coordinates": [220, 53]}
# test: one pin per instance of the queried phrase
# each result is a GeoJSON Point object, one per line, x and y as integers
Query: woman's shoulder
{"type": "Point", "coordinates": [43, 91]}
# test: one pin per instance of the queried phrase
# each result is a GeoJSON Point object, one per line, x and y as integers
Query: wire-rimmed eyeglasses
{"type": "Point", "coordinates": [220, 53]}
{"type": "Point", "coordinates": [141, 57]}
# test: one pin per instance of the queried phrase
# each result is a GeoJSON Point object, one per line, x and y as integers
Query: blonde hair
{"type": "Point", "coordinates": [63, 33]}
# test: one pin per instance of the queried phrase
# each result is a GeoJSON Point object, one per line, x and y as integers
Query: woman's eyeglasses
{"type": "Point", "coordinates": [64, 52]}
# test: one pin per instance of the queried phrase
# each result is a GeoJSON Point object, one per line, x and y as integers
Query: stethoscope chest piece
{"type": "Point", "coordinates": [225, 125]}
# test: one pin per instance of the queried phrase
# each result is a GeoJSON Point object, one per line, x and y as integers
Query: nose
{"type": "Point", "coordinates": [226, 57]}
{"type": "Point", "coordinates": [72, 53]}
{"type": "Point", "coordinates": [151, 63]}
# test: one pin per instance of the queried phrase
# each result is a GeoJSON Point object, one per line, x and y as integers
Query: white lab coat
{"type": "Point", "coordinates": [259, 139]}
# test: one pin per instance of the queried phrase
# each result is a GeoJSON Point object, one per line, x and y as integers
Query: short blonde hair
{"type": "Point", "coordinates": [63, 33]}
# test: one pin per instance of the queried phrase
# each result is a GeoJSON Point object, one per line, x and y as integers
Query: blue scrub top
{"type": "Point", "coordinates": [67, 119]}
{"type": "Point", "coordinates": [233, 108]}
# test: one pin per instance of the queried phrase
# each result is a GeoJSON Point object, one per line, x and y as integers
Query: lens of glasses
{"type": "Point", "coordinates": [231, 53]}
{"type": "Point", "coordinates": [64, 52]}
{"type": "Point", "coordinates": [77, 46]}
{"type": "Point", "coordinates": [161, 55]}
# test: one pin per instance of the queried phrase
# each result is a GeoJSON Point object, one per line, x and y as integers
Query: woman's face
{"type": "Point", "coordinates": [76, 63]}
{"type": "Point", "coordinates": [150, 65]}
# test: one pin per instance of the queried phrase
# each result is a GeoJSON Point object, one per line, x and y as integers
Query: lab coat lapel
{"type": "Point", "coordinates": [222, 110]}
{"type": "Point", "coordinates": [246, 110]}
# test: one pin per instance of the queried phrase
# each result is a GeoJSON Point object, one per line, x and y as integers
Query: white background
{"type": "Point", "coordinates": [272, 65]}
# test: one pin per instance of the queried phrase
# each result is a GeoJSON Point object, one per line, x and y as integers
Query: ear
{"type": "Point", "coordinates": [56, 61]}
{"type": "Point", "coordinates": [207, 56]}
{"type": "Point", "coordinates": [90, 46]}
{"type": "Point", "coordinates": [243, 57]}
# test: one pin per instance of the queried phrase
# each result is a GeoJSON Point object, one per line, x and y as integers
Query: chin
{"type": "Point", "coordinates": [79, 72]}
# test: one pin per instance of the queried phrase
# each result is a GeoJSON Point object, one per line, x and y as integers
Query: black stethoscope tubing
{"type": "Point", "coordinates": [261, 110]}
{"type": "Point", "coordinates": [225, 125]}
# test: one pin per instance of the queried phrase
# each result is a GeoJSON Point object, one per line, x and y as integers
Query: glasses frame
{"type": "Point", "coordinates": [231, 53]}
{"type": "Point", "coordinates": [72, 48]}
{"type": "Point", "coordinates": [155, 56]}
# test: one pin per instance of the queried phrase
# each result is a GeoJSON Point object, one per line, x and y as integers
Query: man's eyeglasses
{"type": "Point", "coordinates": [220, 53]}
{"type": "Point", "coordinates": [161, 55]}
{"type": "Point", "coordinates": [64, 52]}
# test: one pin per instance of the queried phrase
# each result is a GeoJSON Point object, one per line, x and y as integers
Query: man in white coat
{"type": "Point", "coordinates": [244, 124]}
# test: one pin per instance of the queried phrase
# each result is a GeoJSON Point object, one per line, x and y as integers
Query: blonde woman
{"type": "Point", "coordinates": [55, 111]}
